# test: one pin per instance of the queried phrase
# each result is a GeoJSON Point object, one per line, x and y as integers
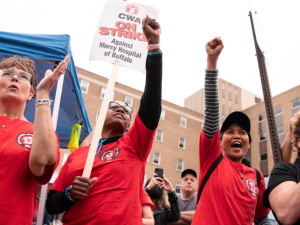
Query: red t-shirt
{"type": "Point", "coordinates": [18, 186]}
{"type": "Point", "coordinates": [226, 198]}
{"type": "Point", "coordinates": [146, 200]}
{"type": "Point", "coordinates": [115, 198]}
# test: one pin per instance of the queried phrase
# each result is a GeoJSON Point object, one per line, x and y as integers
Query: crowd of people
{"type": "Point", "coordinates": [227, 189]}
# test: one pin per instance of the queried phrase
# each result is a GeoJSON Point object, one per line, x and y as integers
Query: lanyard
{"type": "Point", "coordinates": [100, 146]}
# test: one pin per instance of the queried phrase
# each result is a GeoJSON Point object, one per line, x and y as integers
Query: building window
{"type": "Point", "coordinates": [223, 85]}
{"type": "Point", "coordinates": [257, 100]}
{"type": "Point", "coordinates": [223, 118]}
{"type": "Point", "coordinates": [97, 115]}
{"type": "Point", "coordinates": [178, 188]}
{"type": "Point", "coordinates": [103, 94]}
{"type": "Point", "coordinates": [180, 164]}
{"type": "Point", "coordinates": [84, 86]}
{"type": "Point", "coordinates": [277, 110]}
{"type": "Point", "coordinates": [129, 100]}
{"type": "Point", "coordinates": [235, 91]}
{"type": "Point", "coordinates": [280, 130]}
{"type": "Point", "coordinates": [261, 117]}
{"type": "Point", "coordinates": [156, 158]}
{"type": "Point", "coordinates": [223, 100]}
{"type": "Point", "coordinates": [183, 121]}
{"type": "Point", "coordinates": [262, 136]}
{"type": "Point", "coordinates": [295, 103]}
{"type": "Point", "coordinates": [181, 143]}
{"type": "Point", "coordinates": [229, 103]}
{"type": "Point", "coordinates": [159, 135]}
{"type": "Point", "coordinates": [263, 157]}
{"type": "Point", "coordinates": [162, 114]}
{"type": "Point", "coordinates": [236, 108]}
{"type": "Point", "coordinates": [229, 87]}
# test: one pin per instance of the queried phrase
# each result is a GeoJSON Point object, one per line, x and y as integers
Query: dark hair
{"type": "Point", "coordinates": [246, 161]}
{"type": "Point", "coordinates": [23, 64]}
{"type": "Point", "coordinates": [162, 200]}
{"type": "Point", "coordinates": [242, 126]}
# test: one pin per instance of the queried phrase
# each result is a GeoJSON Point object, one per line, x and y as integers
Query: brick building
{"type": "Point", "coordinates": [231, 97]}
{"type": "Point", "coordinates": [285, 106]}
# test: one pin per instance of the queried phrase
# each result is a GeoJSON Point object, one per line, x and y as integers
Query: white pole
{"type": "Point", "coordinates": [99, 126]}
{"type": "Point", "coordinates": [44, 190]}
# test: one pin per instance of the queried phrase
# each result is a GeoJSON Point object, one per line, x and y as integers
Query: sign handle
{"type": "Point", "coordinates": [99, 125]}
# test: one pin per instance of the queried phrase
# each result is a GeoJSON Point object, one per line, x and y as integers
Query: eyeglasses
{"type": "Point", "coordinates": [23, 76]}
{"type": "Point", "coordinates": [115, 106]}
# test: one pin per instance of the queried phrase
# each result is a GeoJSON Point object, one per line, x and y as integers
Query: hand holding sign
{"type": "Point", "coordinates": [213, 49]}
{"type": "Point", "coordinates": [152, 31]}
{"type": "Point", "coordinates": [81, 187]}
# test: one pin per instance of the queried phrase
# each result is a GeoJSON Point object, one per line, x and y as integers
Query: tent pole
{"type": "Point", "coordinates": [44, 190]}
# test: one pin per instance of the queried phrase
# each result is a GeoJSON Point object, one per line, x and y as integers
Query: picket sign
{"type": "Point", "coordinates": [100, 122]}
{"type": "Point", "coordinates": [118, 39]}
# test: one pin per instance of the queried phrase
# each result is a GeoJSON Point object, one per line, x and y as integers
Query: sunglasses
{"type": "Point", "coordinates": [115, 106]}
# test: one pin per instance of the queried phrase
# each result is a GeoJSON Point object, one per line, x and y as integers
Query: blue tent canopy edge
{"type": "Point", "coordinates": [46, 51]}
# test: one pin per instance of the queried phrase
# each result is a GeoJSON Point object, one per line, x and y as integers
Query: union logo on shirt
{"type": "Point", "coordinates": [25, 140]}
{"type": "Point", "coordinates": [110, 154]}
{"type": "Point", "coordinates": [252, 187]}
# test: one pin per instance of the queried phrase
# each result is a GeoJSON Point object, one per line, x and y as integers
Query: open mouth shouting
{"type": "Point", "coordinates": [236, 146]}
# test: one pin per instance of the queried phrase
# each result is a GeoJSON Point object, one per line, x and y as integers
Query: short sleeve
{"type": "Point", "coordinates": [261, 210]}
{"type": "Point", "coordinates": [60, 184]}
{"type": "Point", "coordinates": [49, 170]}
{"type": "Point", "coordinates": [209, 150]}
{"type": "Point", "coordinates": [142, 138]}
{"type": "Point", "coordinates": [280, 173]}
{"type": "Point", "coordinates": [146, 200]}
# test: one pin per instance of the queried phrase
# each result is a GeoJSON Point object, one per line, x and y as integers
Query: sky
{"type": "Point", "coordinates": [186, 27]}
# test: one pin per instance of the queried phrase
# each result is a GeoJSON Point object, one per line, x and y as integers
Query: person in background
{"type": "Point", "coordinates": [29, 152]}
{"type": "Point", "coordinates": [166, 210]}
{"type": "Point", "coordinates": [187, 200]}
{"type": "Point", "coordinates": [287, 145]}
{"type": "Point", "coordinates": [283, 192]}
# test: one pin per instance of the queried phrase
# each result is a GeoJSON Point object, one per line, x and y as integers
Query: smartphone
{"type": "Point", "coordinates": [159, 172]}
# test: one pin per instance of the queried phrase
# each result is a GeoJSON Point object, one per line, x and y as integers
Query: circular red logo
{"type": "Point", "coordinates": [132, 8]}
{"type": "Point", "coordinates": [109, 154]}
{"type": "Point", "coordinates": [25, 140]}
{"type": "Point", "coordinates": [252, 187]}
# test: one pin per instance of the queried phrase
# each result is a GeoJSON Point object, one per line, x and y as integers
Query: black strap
{"type": "Point", "coordinates": [257, 177]}
{"type": "Point", "coordinates": [207, 176]}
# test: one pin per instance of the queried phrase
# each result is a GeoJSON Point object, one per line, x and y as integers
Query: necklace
{"type": "Point", "coordinates": [3, 125]}
{"type": "Point", "coordinates": [242, 175]}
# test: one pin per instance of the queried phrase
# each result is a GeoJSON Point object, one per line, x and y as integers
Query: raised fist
{"type": "Point", "coordinates": [213, 49]}
{"type": "Point", "coordinates": [151, 30]}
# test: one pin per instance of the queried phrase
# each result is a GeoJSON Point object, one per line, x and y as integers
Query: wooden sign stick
{"type": "Point", "coordinates": [99, 125]}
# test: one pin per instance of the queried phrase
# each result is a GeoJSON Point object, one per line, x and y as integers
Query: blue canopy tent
{"type": "Point", "coordinates": [47, 51]}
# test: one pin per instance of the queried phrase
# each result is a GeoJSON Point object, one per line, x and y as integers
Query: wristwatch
{"type": "Point", "coordinates": [68, 194]}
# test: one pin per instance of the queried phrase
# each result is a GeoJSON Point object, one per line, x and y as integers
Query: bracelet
{"type": "Point", "coordinates": [67, 194]}
{"type": "Point", "coordinates": [153, 46]}
{"type": "Point", "coordinates": [43, 102]}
